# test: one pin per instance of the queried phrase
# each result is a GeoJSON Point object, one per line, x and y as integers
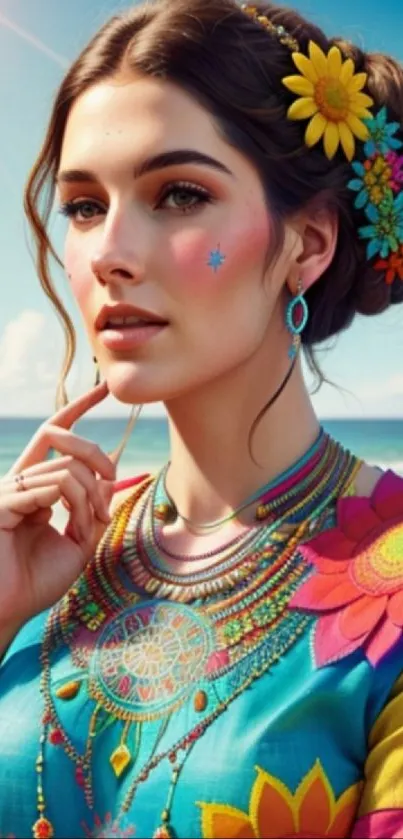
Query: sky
{"type": "Point", "coordinates": [38, 40]}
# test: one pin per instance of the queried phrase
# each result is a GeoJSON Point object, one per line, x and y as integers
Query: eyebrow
{"type": "Point", "coordinates": [151, 164]}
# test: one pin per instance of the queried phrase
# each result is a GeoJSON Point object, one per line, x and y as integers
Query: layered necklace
{"type": "Point", "coordinates": [129, 613]}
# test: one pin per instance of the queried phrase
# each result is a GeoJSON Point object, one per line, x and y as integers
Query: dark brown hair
{"type": "Point", "coordinates": [234, 67]}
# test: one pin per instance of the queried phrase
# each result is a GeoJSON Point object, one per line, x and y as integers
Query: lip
{"type": "Point", "coordinates": [125, 310]}
{"type": "Point", "coordinates": [129, 337]}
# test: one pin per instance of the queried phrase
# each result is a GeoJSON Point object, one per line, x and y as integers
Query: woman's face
{"type": "Point", "coordinates": [183, 238]}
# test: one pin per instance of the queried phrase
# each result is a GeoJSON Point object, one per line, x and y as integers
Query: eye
{"type": "Point", "coordinates": [81, 211]}
{"type": "Point", "coordinates": [184, 197]}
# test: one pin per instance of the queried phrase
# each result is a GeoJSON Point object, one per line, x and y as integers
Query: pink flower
{"type": "Point", "coordinates": [396, 162]}
{"type": "Point", "coordinates": [358, 588]}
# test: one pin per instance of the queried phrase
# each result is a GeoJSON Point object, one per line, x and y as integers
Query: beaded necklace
{"type": "Point", "coordinates": [168, 512]}
{"type": "Point", "coordinates": [237, 626]}
{"type": "Point", "coordinates": [144, 562]}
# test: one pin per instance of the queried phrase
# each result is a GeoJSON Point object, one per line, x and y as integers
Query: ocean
{"type": "Point", "coordinates": [379, 442]}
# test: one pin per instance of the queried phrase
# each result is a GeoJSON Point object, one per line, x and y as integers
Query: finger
{"type": "Point", "coordinates": [68, 443]}
{"type": "Point", "coordinates": [39, 446]}
{"type": "Point", "coordinates": [103, 514]}
{"type": "Point", "coordinates": [88, 542]}
{"type": "Point", "coordinates": [74, 492]}
{"type": "Point", "coordinates": [41, 516]}
{"type": "Point", "coordinates": [81, 532]}
{"type": "Point", "coordinates": [15, 506]}
{"type": "Point", "coordinates": [97, 491]}
{"type": "Point", "coordinates": [68, 415]}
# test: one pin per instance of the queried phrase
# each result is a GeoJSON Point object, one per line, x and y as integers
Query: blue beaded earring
{"type": "Point", "coordinates": [296, 317]}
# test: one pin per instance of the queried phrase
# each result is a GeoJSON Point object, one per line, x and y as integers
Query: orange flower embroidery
{"type": "Point", "coordinates": [276, 813]}
{"type": "Point", "coordinates": [393, 266]}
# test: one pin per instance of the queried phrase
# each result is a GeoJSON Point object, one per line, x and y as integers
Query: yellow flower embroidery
{"type": "Point", "coordinates": [330, 95]}
{"type": "Point", "coordinates": [275, 812]}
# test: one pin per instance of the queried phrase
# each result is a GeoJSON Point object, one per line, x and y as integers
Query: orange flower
{"type": "Point", "coordinates": [393, 266]}
{"type": "Point", "coordinates": [275, 813]}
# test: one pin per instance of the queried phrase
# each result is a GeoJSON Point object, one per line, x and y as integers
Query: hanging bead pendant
{"type": "Point", "coordinates": [43, 829]}
{"type": "Point", "coordinates": [163, 832]}
{"type": "Point", "coordinates": [120, 759]}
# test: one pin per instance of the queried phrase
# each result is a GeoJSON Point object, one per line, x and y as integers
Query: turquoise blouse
{"type": "Point", "coordinates": [261, 710]}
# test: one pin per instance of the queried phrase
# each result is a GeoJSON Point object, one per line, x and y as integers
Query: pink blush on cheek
{"type": "Point", "coordinates": [200, 259]}
{"type": "Point", "coordinates": [79, 275]}
{"type": "Point", "coordinates": [244, 250]}
{"type": "Point", "coordinates": [249, 246]}
{"type": "Point", "coordinates": [189, 257]}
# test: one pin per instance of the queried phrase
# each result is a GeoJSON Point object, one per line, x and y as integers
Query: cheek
{"type": "Point", "coordinates": [246, 247]}
{"type": "Point", "coordinates": [204, 260]}
{"type": "Point", "coordinates": [77, 271]}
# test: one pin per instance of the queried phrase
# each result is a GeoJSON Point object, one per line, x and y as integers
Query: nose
{"type": "Point", "coordinates": [109, 269]}
{"type": "Point", "coordinates": [118, 258]}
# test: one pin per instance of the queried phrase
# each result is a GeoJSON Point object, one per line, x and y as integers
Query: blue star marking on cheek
{"type": "Point", "coordinates": [216, 259]}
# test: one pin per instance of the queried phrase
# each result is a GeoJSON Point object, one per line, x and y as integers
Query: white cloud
{"type": "Point", "coordinates": [29, 352]}
{"type": "Point", "coordinates": [367, 399]}
{"type": "Point", "coordinates": [391, 387]}
{"type": "Point", "coordinates": [17, 345]}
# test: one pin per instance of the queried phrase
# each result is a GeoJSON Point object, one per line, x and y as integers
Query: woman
{"type": "Point", "coordinates": [223, 656]}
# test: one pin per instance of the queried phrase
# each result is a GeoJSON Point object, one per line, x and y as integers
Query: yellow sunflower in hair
{"type": "Point", "coordinates": [330, 96]}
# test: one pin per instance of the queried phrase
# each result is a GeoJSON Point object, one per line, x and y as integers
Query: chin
{"type": "Point", "coordinates": [129, 388]}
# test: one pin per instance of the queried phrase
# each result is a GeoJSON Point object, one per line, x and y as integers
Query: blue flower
{"type": "Point", "coordinates": [385, 233]}
{"type": "Point", "coordinates": [381, 134]}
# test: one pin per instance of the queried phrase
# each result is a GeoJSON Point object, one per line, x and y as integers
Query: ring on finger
{"type": "Point", "coordinates": [19, 480]}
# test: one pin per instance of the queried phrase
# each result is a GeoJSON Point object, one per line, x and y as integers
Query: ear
{"type": "Point", "coordinates": [317, 230]}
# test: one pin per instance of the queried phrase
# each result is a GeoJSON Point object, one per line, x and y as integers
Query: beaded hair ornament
{"type": "Point", "coordinates": [330, 95]}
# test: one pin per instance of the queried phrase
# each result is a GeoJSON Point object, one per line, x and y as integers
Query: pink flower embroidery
{"type": "Point", "coordinates": [396, 163]}
{"type": "Point", "coordinates": [108, 829]}
{"type": "Point", "coordinates": [358, 587]}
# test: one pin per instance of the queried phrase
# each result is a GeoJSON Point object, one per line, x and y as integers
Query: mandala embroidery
{"type": "Point", "coordinates": [148, 658]}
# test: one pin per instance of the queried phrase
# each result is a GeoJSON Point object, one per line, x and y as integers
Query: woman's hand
{"type": "Point", "coordinates": [37, 563]}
